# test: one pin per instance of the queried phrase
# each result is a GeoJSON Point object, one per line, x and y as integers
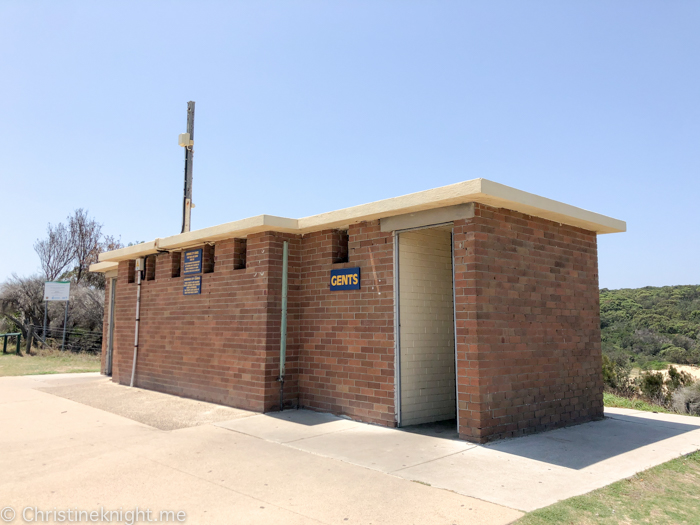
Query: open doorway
{"type": "Point", "coordinates": [427, 398]}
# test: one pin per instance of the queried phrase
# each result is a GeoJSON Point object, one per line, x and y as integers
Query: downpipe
{"type": "Point", "coordinates": [140, 263]}
{"type": "Point", "coordinates": [283, 328]}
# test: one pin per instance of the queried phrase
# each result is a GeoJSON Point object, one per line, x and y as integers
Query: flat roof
{"type": "Point", "coordinates": [477, 190]}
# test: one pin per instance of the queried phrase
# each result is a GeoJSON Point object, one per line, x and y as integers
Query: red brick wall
{"type": "Point", "coordinates": [223, 345]}
{"type": "Point", "coordinates": [346, 338]}
{"type": "Point", "coordinates": [528, 330]}
{"type": "Point", "coordinates": [528, 340]}
{"type": "Point", "coordinates": [274, 320]}
{"type": "Point", "coordinates": [213, 346]}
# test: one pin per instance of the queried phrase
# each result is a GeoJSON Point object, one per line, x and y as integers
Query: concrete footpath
{"type": "Point", "coordinates": [56, 453]}
{"type": "Point", "coordinates": [523, 473]}
{"type": "Point", "coordinates": [81, 441]}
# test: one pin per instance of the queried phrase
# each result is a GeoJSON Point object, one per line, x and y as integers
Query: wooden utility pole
{"type": "Point", "coordinates": [189, 153]}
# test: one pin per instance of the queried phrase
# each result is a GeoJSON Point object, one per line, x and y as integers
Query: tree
{"type": "Point", "coordinates": [68, 251]}
{"type": "Point", "coordinates": [85, 235]}
{"type": "Point", "coordinates": [56, 251]}
{"type": "Point", "coordinates": [22, 301]}
{"type": "Point", "coordinates": [22, 304]}
{"type": "Point", "coordinates": [97, 280]}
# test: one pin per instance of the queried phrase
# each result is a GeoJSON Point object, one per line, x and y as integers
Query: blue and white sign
{"type": "Point", "coordinates": [345, 279]}
{"type": "Point", "coordinates": [193, 262]}
{"type": "Point", "coordinates": [192, 285]}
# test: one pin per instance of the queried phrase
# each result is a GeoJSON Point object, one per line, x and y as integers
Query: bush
{"type": "Point", "coordinates": [659, 390]}
{"type": "Point", "coordinates": [673, 392]}
{"type": "Point", "coordinates": [677, 379]}
{"type": "Point", "coordinates": [652, 386]}
{"type": "Point", "coordinates": [686, 400]}
{"type": "Point", "coordinates": [616, 375]}
{"type": "Point", "coordinates": [675, 354]}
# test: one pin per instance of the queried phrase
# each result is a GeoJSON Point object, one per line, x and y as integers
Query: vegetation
{"type": "Point", "coordinates": [64, 254]}
{"type": "Point", "coordinates": [648, 330]}
{"type": "Point", "coordinates": [46, 361]}
{"type": "Point", "coordinates": [672, 391]}
{"type": "Point", "coordinates": [687, 400]}
{"type": "Point", "coordinates": [664, 494]}
{"type": "Point", "coordinates": [612, 400]}
{"type": "Point", "coordinates": [651, 326]}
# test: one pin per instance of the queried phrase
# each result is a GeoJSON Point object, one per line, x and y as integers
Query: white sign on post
{"type": "Point", "coordinates": [56, 290]}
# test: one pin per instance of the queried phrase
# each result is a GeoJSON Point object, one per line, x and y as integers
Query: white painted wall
{"type": "Point", "coordinates": [427, 326]}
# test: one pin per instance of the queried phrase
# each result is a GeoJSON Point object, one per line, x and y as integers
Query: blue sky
{"type": "Point", "coordinates": [305, 107]}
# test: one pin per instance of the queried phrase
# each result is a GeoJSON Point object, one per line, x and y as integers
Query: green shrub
{"type": "Point", "coordinates": [676, 354]}
{"type": "Point", "coordinates": [660, 390]}
{"type": "Point", "coordinates": [677, 379]}
{"type": "Point", "coordinates": [616, 375]}
{"type": "Point", "coordinates": [652, 386]}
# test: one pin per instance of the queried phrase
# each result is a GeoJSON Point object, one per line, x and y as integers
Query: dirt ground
{"type": "Point", "coordinates": [691, 369]}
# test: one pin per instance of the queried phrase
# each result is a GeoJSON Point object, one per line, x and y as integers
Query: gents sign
{"type": "Point", "coordinates": [192, 285]}
{"type": "Point", "coordinates": [346, 279]}
{"type": "Point", "coordinates": [193, 262]}
{"type": "Point", "coordinates": [56, 290]}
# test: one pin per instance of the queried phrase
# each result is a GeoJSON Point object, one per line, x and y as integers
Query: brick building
{"type": "Point", "coordinates": [473, 302]}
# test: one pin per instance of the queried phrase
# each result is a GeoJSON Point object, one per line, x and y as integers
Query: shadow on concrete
{"type": "Point", "coordinates": [581, 446]}
{"type": "Point", "coordinates": [305, 417]}
{"type": "Point", "coordinates": [440, 429]}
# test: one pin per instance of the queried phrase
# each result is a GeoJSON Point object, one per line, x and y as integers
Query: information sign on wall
{"type": "Point", "coordinates": [345, 279]}
{"type": "Point", "coordinates": [193, 262]}
{"type": "Point", "coordinates": [192, 285]}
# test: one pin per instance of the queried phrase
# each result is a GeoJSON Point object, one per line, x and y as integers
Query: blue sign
{"type": "Point", "coordinates": [193, 262]}
{"type": "Point", "coordinates": [192, 285]}
{"type": "Point", "coordinates": [345, 279]}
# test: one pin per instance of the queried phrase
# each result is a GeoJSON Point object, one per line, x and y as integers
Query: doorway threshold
{"type": "Point", "coordinates": [446, 429]}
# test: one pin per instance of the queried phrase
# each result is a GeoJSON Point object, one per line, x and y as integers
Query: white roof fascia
{"type": "Point", "coordinates": [478, 190]}
{"type": "Point", "coordinates": [104, 267]}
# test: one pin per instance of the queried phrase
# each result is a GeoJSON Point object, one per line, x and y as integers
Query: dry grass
{"type": "Point", "coordinates": [693, 370]}
{"type": "Point", "coordinates": [611, 400]}
{"type": "Point", "coordinates": [661, 495]}
{"type": "Point", "coordinates": [690, 369]}
{"type": "Point", "coordinates": [48, 361]}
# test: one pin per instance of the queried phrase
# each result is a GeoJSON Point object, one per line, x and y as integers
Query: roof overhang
{"type": "Point", "coordinates": [478, 190]}
{"type": "Point", "coordinates": [104, 267]}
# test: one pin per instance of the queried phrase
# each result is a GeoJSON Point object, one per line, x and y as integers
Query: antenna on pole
{"type": "Point", "coordinates": [186, 140]}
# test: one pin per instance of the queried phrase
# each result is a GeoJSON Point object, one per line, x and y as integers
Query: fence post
{"type": "Point", "coordinates": [4, 343]}
{"type": "Point", "coordinates": [65, 323]}
{"type": "Point", "coordinates": [30, 339]}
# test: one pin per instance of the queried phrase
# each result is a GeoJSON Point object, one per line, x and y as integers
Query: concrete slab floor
{"type": "Point", "coordinates": [327, 458]}
{"type": "Point", "coordinates": [155, 409]}
{"type": "Point", "coordinates": [525, 473]}
{"type": "Point", "coordinates": [63, 454]}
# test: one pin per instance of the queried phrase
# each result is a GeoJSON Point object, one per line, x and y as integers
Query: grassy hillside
{"type": "Point", "coordinates": [652, 324]}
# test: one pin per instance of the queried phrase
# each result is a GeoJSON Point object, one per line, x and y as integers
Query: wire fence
{"type": "Point", "coordinates": [77, 340]}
